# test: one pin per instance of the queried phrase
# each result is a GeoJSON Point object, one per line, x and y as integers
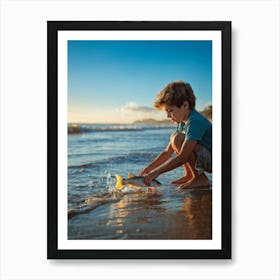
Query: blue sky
{"type": "Point", "coordinates": [117, 81]}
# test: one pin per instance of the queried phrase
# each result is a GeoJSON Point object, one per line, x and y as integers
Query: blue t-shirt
{"type": "Point", "coordinates": [197, 128]}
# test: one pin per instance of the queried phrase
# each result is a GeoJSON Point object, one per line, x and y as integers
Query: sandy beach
{"type": "Point", "coordinates": [184, 214]}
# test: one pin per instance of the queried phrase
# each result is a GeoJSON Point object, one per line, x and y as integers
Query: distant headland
{"type": "Point", "coordinates": [152, 121]}
{"type": "Point", "coordinates": [207, 112]}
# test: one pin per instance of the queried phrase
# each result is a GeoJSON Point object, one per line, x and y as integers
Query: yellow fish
{"type": "Point", "coordinates": [133, 181]}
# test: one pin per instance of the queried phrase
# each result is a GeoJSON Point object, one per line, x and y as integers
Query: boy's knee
{"type": "Point", "coordinates": [177, 138]}
{"type": "Point", "coordinates": [172, 136]}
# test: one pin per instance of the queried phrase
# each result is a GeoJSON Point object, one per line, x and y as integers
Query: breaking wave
{"type": "Point", "coordinates": [89, 128]}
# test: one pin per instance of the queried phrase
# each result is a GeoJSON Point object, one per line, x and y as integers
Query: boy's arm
{"type": "Point", "coordinates": [161, 158]}
{"type": "Point", "coordinates": [186, 150]}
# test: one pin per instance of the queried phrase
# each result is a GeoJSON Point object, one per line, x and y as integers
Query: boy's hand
{"type": "Point", "coordinates": [144, 171]}
{"type": "Point", "coordinates": [148, 178]}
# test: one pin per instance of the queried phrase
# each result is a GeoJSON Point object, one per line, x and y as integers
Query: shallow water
{"type": "Point", "coordinates": [97, 211]}
{"type": "Point", "coordinates": [184, 215]}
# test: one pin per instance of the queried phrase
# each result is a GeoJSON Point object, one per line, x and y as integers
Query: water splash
{"type": "Point", "coordinates": [111, 182]}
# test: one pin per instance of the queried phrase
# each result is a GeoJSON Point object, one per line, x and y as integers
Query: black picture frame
{"type": "Point", "coordinates": [53, 252]}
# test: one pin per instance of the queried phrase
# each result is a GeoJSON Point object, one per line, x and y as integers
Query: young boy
{"type": "Point", "coordinates": [192, 141]}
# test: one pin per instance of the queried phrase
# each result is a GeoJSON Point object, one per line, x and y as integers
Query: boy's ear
{"type": "Point", "coordinates": [186, 104]}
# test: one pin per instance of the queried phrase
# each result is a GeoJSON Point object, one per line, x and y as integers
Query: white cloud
{"type": "Point", "coordinates": [134, 107]}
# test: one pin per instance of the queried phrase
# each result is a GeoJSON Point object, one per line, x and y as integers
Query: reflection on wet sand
{"type": "Point", "coordinates": [132, 216]}
{"type": "Point", "coordinates": [194, 219]}
{"type": "Point", "coordinates": [187, 215]}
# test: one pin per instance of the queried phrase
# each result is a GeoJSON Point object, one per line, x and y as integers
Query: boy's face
{"type": "Point", "coordinates": [177, 114]}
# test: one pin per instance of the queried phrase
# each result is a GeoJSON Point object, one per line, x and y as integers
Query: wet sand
{"type": "Point", "coordinates": [185, 214]}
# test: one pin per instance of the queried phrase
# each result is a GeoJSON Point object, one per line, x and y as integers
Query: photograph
{"type": "Point", "coordinates": [138, 167]}
{"type": "Point", "coordinates": [128, 140]}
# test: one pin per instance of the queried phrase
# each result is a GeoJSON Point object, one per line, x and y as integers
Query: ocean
{"type": "Point", "coordinates": [96, 152]}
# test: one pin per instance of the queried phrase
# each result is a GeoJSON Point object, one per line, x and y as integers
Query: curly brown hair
{"type": "Point", "coordinates": [175, 94]}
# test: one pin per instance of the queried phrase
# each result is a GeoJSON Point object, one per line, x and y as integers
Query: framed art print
{"type": "Point", "coordinates": [139, 140]}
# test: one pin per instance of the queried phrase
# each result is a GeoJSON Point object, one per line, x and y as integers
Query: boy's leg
{"type": "Point", "coordinates": [176, 141]}
{"type": "Point", "coordinates": [199, 179]}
